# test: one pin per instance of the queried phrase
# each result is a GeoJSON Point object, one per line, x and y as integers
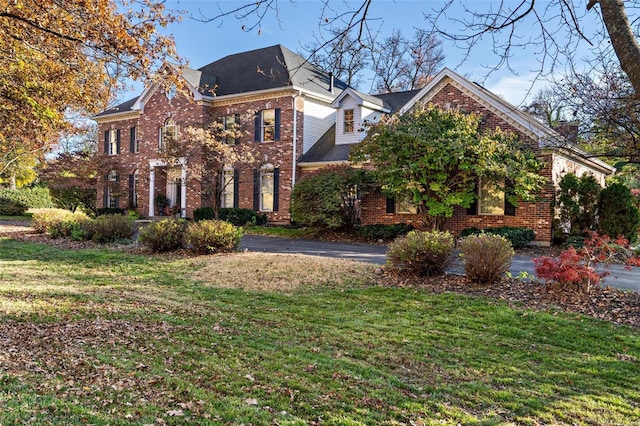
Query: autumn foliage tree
{"type": "Point", "coordinates": [63, 55]}
{"type": "Point", "coordinates": [209, 153]}
{"type": "Point", "coordinates": [435, 156]}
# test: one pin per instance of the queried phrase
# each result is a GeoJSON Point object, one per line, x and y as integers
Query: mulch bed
{"type": "Point", "coordinates": [606, 303]}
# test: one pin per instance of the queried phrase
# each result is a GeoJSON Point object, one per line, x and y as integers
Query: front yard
{"type": "Point", "coordinates": [99, 336]}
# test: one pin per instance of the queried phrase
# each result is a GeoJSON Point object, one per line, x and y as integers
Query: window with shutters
{"type": "Point", "coordinates": [490, 199]}
{"type": "Point", "coordinates": [228, 188]}
{"type": "Point", "coordinates": [112, 189]}
{"type": "Point", "coordinates": [267, 125]}
{"type": "Point", "coordinates": [112, 142]}
{"type": "Point", "coordinates": [266, 189]}
{"type": "Point", "coordinates": [231, 124]}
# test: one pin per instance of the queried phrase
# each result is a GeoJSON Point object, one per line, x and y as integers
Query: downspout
{"type": "Point", "coordinates": [295, 141]}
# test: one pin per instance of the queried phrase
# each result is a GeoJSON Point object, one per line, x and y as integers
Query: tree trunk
{"type": "Point", "coordinates": [623, 40]}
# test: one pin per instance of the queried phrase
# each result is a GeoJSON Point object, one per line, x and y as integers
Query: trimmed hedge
{"type": "Point", "coordinates": [109, 211]}
{"type": "Point", "coordinates": [237, 217]}
{"type": "Point", "coordinates": [384, 232]}
{"type": "Point", "coordinates": [421, 253]}
{"type": "Point", "coordinates": [517, 236]}
{"type": "Point", "coordinates": [33, 198]}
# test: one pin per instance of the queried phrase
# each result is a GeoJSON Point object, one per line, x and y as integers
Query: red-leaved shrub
{"type": "Point", "coordinates": [576, 269]}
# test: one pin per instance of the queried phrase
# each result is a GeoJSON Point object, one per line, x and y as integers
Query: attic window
{"type": "Point", "coordinates": [348, 121]}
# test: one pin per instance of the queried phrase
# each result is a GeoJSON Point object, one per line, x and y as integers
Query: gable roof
{"type": "Point", "coordinates": [396, 100]}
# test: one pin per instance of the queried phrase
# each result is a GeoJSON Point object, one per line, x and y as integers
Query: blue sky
{"type": "Point", "coordinates": [297, 22]}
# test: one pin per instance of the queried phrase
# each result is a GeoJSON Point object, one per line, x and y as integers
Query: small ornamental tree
{"type": "Point", "coordinates": [437, 156]}
{"type": "Point", "coordinates": [208, 152]}
{"type": "Point", "coordinates": [330, 198]}
{"type": "Point", "coordinates": [577, 200]}
{"type": "Point", "coordinates": [618, 214]}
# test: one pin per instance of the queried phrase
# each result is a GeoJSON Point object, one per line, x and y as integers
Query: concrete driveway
{"type": "Point", "coordinates": [620, 277]}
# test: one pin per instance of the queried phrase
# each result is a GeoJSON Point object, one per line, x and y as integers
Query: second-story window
{"type": "Point", "coordinates": [133, 140]}
{"type": "Point", "coordinates": [232, 128]}
{"type": "Point", "coordinates": [267, 125]}
{"type": "Point", "coordinates": [112, 141]}
{"type": "Point", "coordinates": [168, 134]}
{"type": "Point", "coordinates": [348, 121]}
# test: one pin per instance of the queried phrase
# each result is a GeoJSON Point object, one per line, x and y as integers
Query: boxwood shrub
{"type": "Point", "coordinates": [33, 198]}
{"type": "Point", "coordinates": [11, 207]}
{"type": "Point", "coordinates": [421, 253]}
{"type": "Point", "coordinates": [235, 216]}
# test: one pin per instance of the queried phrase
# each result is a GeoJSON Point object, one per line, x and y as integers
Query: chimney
{"type": "Point", "coordinates": [568, 129]}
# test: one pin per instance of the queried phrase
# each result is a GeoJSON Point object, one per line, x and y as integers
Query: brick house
{"type": "Point", "coordinates": [305, 120]}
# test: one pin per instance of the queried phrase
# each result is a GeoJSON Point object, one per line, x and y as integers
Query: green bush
{"type": "Point", "coordinates": [109, 211]}
{"type": "Point", "coordinates": [33, 198]}
{"type": "Point", "coordinates": [56, 222]}
{"type": "Point", "coordinates": [237, 217]}
{"type": "Point", "coordinates": [11, 207]}
{"type": "Point", "coordinates": [517, 236]}
{"type": "Point", "coordinates": [421, 253]}
{"type": "Point", "coordinates": [377, 232]}
{"type": "Point", "coordinates": [165, 235]}
{"type": "Point", "coordinates": [329, 199]}
{"type": "Point", "coordinates": [212, 236]}
{"type": "Point", "coordinates": [618, 215]}
{"type": "Point", "coordinates": [106, 229]}
{"type": "Point", "coordinates": [486, 257]}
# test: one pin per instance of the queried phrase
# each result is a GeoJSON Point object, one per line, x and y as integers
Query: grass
{"type": "Point", "coordinates": [103, 337]}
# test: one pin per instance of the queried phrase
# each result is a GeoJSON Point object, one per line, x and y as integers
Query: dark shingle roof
{"type": "Point", "coordinates": [326, 149]}
{"type": "Point", "coordinates": [268, 68]}
{"type": "Point", "coordinates": [395, 101]}
{"type": "Point", "coordinates": [123, 107]}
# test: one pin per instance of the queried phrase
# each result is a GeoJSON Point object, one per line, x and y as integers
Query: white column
{"type": "Point", "coordinates": [152, 190]}
{"type": "Point", "coordinates": [183, 192]}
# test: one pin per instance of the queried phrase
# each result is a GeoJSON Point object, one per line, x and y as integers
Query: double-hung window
{"type": "Point", "coordinates": [266, 189]}
{"type": "Point", "coordinates": [133, 140]}
{"type": "Point", "coordinates": [267, 125]}
{"type": "Point", "coordinates": [231, 124]}
{"type": "Point", "coordinates": [348, 121]}
{"type": "Point", "coordinates": [168, 134]}
{"type": "Point", "coordinates": [228, 188]}
{"type": "Point", "coordinates": [405, 205]}
{"type": "Point", "coordinates": [112, 141]}
{"type": "Point", "coordinates": [111, 190]}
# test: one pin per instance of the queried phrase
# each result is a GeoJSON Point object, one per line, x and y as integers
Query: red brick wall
{"type": "Point", "coordinates": [535, 215]}
{"type": "Point", "coordinates": [185, 113]}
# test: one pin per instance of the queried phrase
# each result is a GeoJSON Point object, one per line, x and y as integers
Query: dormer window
{"type": "Point", "coordinates": [348, 121]}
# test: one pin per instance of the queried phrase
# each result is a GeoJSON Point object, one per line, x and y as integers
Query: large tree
{"type": "Point", "coordinates": [63, 55]}
{"type": "Point", "coordinates": [436, 156]}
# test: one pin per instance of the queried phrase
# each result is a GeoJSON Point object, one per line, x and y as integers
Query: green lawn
{"type": "Point", "coordinates": [105, 337]}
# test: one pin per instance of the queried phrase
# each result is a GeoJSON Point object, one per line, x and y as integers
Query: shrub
{"type": "Point", "coordinates": [11, 207]}
{"type": "Point", "coordinates": [109, 211]}
{"type": "Point", "coordinates": [517, 236]}
{"type": "Point", "coordinates": [577, 200]}
{"type": "Point", "coordinates": [618, 214]}
{"type": "Point", "coordinates": [242, 217]}
{"type": "Point", "coordinates": [329, 199]}
{"type": "Point", "coordinates": [237, 217]}
{"type": "Point", "coordinates": [487, 257]}
{"type": "Point", "coordinates": [212, 236]}
{"type": "Point", "coordinates": [57, 222]}
{"type": "Point", "coordinates": [377, 232]}
{"type": "Point", "coordinates": [421, 253]}
{"type": "Point", "coordinates": [33, 198]}
{"type": "Point", "coordinates": [575, 269]}
{"type": "Point", "coordinates": [105, 229]}
{"type": "Point", "coordinates": [165, 235]}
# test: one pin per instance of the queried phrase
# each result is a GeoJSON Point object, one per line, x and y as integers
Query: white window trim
{"type": "Point", "coordinates": [263, 127]}
{"type": "Point", "coordinates": [267, 171]}
{"type": "Point", "coordinates": [228, 187]}
{"type": "Point", "coordinates": [352, 122]}
{"type": "Point", "coordinates": [113, 142]}
{"type": "Point", "coordinates": [405, 200]}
